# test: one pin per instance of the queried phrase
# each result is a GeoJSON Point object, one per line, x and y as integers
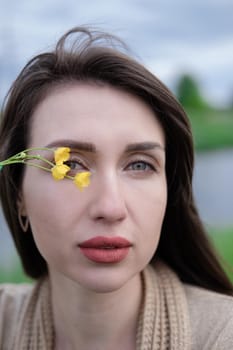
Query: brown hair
{"type": "Point", "coordinates": [92, 56]}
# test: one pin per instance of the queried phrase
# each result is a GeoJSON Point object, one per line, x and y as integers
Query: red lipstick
{"type": "Point", "coordinates": [102, 249]}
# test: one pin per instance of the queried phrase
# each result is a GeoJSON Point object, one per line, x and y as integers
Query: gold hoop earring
{"type": "Point", "coordinates": [24, 222]}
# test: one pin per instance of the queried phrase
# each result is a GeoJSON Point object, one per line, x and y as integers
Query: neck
{"type": "Point", "coordinates": [84, 319]}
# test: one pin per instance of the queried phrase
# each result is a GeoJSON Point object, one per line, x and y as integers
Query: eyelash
{"type": "Point", "coordinates": [146, 164]}
{"type": "Point", "coordinates": [77, 163]}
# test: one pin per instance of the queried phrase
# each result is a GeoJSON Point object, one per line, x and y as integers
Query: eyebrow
{"type": "Point", "coordinates": [144, 146]}
{"type": "Point", "coordinates": [90, 147]}
{"type": "Point", "coordinates": [79, 145]}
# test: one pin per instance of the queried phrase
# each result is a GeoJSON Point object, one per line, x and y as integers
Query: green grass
{"type": "Point", "coordinates": [223, 241]}
{"type": "Point", "coordinates": [212, 129]}
{"type": "Point", "coordinates": [15, 274]}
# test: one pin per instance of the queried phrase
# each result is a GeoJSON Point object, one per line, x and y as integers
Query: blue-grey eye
{"type": "Point", "coordinates": [75, 165]}
{"type": "Point", "coordinates": [72, 164]}
{"type": "Point", "coordinates": [140, 166]}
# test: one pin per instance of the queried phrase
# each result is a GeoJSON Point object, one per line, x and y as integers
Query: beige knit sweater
{"type": "Point", "coordinates": [173, 316]}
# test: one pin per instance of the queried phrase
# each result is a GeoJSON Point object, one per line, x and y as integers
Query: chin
{"type": "Point", "coordinates": [105, 280]}
{"type": "Point", "coordinates": [103, 288]}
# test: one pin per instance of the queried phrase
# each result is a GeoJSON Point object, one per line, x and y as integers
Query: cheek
{"type": "Point", "coordinates": [51, 220]}
{"type": "Point", "coordinates": [48, 204]}
{"type": "Point", "coordinates": [151, 203]}
{"type": "Point", "coordinates": [150, 214]}
{"type": "Point", "coordinates": [151, 217]}
{"type": "Point", "coordinates": [44, 195]}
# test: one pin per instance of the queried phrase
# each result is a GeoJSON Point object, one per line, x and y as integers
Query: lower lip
{"type": "Point", "coordinates": [105, 255]}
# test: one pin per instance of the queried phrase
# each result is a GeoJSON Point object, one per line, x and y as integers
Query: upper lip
{"type": "Point", "coordinates": [105, 242]}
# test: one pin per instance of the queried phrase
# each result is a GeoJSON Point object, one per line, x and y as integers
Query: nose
{"type": "Point", "coordinates": [108, 201]}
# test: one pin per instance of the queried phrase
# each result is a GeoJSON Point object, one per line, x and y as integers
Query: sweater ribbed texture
{"type": "Point", "coordinates": [163, 321]}
{"type": "Point", "coordinates": [35, 331]}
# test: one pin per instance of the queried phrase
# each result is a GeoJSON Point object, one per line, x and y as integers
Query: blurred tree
{"type": "Point", "coordinates": [188, 93]}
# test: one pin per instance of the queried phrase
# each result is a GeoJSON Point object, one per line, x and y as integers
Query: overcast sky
{"type": "Point", "coordinates": [168, 36]}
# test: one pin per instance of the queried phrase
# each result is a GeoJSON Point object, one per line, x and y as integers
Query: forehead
{"type": "Point", "coordinates": [93, 113]}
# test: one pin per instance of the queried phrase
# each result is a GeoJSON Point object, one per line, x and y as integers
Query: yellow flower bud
{"type": "Point", "coordinates": [61, 155]}
{"type": "Point", "coordinates": [59, 171]}
{"type": "Point", "coordinates": [82, 179]}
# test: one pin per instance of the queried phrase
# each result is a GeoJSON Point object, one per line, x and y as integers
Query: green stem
{"type": "Point", "coordinates": [49, 170]}
{"type": "Point", "coordinates": [39, 158]}
{"type": "Point", "coordinates": [17, 158]}
{"type": "Point", "coordinates": [39, 166]}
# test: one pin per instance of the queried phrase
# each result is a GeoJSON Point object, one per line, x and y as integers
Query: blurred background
{"type": "Point", "coordinates": [188, 45]}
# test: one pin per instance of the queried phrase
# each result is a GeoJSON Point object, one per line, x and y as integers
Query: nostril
{"type": "Point", "coordinates": [108, 214]}
{"type": "Point", "coordinates": [108, 204]}
{"type": "Point", "coordinates": [100, 218]}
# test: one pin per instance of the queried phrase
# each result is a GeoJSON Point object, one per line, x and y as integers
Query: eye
{"type": "Point", "coordinates": [75, 166]}
{"type": "Point", "coordinates": [140, 166]}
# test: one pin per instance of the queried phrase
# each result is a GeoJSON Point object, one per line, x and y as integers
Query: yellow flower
{"type": "Point", "coordinates": [59, 171]}
{"type": "Point", "coordinates": [61, 155]}
{"type": "Point", "coordinates": [82, 179]}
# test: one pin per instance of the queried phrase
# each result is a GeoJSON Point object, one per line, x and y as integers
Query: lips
{"type": "Point", "coordinates": [105, 249]}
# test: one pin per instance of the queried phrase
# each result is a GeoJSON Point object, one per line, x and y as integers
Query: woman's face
{"type": "Point", "coordinates": [117, 138]}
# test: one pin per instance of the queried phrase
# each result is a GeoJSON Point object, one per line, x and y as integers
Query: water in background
{"type": "Point", "coordinates": [213, 190]}
{"type": "Point", "coordinates": [213, 187]}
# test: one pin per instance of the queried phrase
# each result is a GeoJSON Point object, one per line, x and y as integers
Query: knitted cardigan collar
{"type": "Point", "coordinates": [163, 321]}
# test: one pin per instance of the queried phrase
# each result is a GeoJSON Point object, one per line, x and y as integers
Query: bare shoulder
{"type": "Point", "coordinates": [211, 318]}
{"type": "Point", "coordinates": [12, 300]}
